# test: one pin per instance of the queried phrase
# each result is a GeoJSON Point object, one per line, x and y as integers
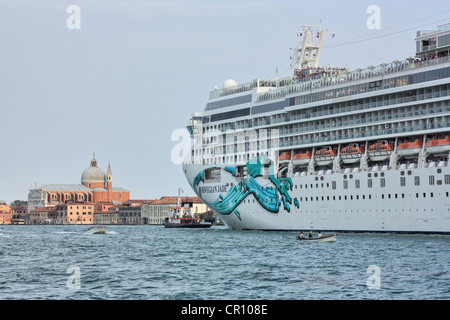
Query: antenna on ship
{"type": "Point", "coordinates": [180, 190]}
{"type": "Point", "coordinates": [307, 56]}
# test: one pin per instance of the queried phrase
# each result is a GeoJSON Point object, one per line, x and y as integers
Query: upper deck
{"type": "Point", "coordinates": [325, 77]}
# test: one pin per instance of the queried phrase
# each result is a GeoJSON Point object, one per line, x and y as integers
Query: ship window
{"type": "Point", "coordinates": [417, 181]}
{"type": "Point", "coordinates": [333, 185]}
{"type": "Point", "coordinates": [382, 182]}
{"type": "Point", "coordinates": [345, 184]}
{"type": "Point", "coordinates": [369, 183]}
{"type": "Point", "coordinates": [431, 180]}
{"type": "Point", "coordinates": [402, 181]}
{"type": "Point", "coordinates": [447, 179]}
{"type": "Point", "coordinates": [357, 184]}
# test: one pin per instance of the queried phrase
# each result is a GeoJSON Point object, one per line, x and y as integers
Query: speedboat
{"type": "Point", "coordinates": [96, 230]}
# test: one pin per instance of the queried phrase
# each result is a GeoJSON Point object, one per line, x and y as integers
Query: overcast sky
{"type": "Point", "coordinates": [136, 70]}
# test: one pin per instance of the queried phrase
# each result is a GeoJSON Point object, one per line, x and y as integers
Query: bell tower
{"type": "Point", "coordinates": [109, 178]}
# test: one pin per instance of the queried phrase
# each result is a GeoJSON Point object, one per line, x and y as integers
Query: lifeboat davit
{"type": "Point", "coordinates": [284, 158]}
{"type": "Point", "coordinates": [410, 149]}
{"type": "Point", "coordinates": [438, 146]}
{"type": "Point", "coordinates": [302, 158]}
{"type": "Point", "coordinates": [352, 153]}
{"type": "Point", "coordinates": [380, 151]}
{"type": "Point", "coordinates": [325, 156]}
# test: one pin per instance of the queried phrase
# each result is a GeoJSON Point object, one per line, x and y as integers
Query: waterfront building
{"type": "Point", "coordinates": [106, 213]}
{"type": "Point", "coordinates": [19, 212]}
{"type": "Point", "coordinates": [5, 213]}
{"type": "Point", "coordinates": [74, 213]}
{"type": "Point", "coordinates": [96, 186]}
{"type": "Point", "coordinates": [43, 215]}
{"type": "Point", "coordinates": [130, 215]}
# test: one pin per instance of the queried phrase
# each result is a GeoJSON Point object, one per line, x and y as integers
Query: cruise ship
{"type": "Point", "coordinates": [329, 148]}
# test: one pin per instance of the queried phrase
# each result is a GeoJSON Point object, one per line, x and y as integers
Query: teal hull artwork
{"type": "Point", "coordinates": [270, 197]}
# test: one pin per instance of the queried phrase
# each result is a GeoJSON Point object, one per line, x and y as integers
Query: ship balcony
{"type": "Point", "coordinates": [372, 134]}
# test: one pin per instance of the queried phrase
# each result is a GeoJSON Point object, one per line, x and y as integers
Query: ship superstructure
{"type": "Point", "coordinates": [330, 148]}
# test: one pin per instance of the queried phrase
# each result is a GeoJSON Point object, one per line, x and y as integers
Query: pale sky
{"type": "Point", "coordinates": [136, 70]}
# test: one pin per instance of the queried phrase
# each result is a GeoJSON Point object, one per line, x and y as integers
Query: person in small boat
{"type": "Point", "coordinates": [310, 234]}
{"type": "Point", "coordinates": [319, 235]}
{"type": "Point", "coordinates": [301, 236]}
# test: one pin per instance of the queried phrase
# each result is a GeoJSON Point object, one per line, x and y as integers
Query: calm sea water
{"type": "Point", "coordinates": [151, 262]}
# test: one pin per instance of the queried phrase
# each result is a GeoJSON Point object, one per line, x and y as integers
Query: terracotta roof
{"type": "Point", "coordinates": [174, 200]}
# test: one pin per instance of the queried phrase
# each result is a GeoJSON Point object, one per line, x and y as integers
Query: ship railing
{"type": "Point", "coordinates": [338, 77]}
{"type": "Point", "coordinates": [237, 89]}
{"type": "Point", "coordinates": [292, 141]}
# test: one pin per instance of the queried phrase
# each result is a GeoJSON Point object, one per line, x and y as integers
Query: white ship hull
{"type": "Point", "coordinates": [352, 123]}
{"type": "Point", "coordinates": [393, 208]}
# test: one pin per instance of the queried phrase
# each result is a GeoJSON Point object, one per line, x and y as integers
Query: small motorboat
{"type": "Point", "coordinates": [96, 230]}
{"type": "Point", "coordinates": [324, 238]}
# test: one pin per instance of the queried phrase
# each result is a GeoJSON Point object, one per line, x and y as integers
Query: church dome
{"type": "Point", "coordinates": [93, 173]}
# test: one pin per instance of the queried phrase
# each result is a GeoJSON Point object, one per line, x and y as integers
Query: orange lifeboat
{"type": "Point", "coordinates": [325, 156]}
{"type": "Point", "coordinates": [380, 151]}
{"type": "Point", "coordinates": [352, 153]}
{"type": "Point", "coordinates": [438, 146]}
{"type": "Point", "coordinates": [410, 149]}
{"type": "Point", "coordinates": [285, 158]}
{"type": "Point", "coordinates": [302, 158]}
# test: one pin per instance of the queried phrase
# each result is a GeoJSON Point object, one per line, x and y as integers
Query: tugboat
{"type": "Point", "coordinates": [181, 216]}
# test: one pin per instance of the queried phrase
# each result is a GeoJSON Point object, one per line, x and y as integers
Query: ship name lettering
{"type": "Point", "coordinates": [213, 189]}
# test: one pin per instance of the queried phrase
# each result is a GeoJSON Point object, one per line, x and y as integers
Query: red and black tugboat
{"type": "Point", "coordinates": [181, 216]}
